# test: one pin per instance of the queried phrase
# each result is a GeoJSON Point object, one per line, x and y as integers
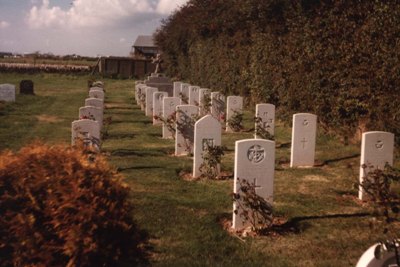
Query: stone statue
{"type": "Point", "coordinates": [158, 62]}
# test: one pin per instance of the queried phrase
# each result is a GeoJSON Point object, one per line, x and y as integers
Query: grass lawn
{"type": "Point", "coordinates": [323, 222]}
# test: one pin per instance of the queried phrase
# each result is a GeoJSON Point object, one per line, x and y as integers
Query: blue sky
{"type": "Point", "coordinates": [84, 27]}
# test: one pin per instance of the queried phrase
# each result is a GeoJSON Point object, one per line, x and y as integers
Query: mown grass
{"type": "Point", "coordinates": [323, 223]}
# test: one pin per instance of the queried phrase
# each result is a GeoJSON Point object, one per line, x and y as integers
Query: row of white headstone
{"type": "Point", "coordinates": [254, 158]}
{"type": "Point", "coordinates": [88, 127]}
{"type": "Point", "coordinates": [7, 92]}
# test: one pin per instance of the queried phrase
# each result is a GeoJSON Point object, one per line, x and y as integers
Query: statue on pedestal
{"type": "Point", "coordinates": [157, 60]}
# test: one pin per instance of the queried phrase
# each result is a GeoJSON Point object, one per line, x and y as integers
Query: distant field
{"type": "Point", "coordinates": [324, 223]}
{"type": "Point", "coordinates": [30, 60]}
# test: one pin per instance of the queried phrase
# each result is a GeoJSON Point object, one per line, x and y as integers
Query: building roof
{"type": "Point", "coordinates": [144, 41]}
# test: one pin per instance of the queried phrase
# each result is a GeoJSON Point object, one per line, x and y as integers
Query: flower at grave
{"type": "Point", "coordinates": [222, 116]}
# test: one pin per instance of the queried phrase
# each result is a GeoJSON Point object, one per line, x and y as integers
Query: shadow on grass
{"type": "Point", "coordinates": [297, 225]}
{"type": "Point", "coordinates": [130, 152]}
{"type": "Point", "coordinates": [120, 135]}
{"type": "Point", "coordinates": [328, 161]}
{"type": "Point", "coordinates": [121, 169]}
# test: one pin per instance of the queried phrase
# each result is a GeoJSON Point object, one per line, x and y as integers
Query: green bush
{"type": "Point", "coordinates": [336, 59]}
{"type": "Point", "coordinates": [61, 207]}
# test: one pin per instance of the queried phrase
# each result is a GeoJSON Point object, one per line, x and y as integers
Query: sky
{"type": "Point", "coordinates": [82, 27]}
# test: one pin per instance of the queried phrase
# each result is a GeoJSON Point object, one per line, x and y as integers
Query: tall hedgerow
{"type": "Point", "coordinates": [60, 206]}
{"type": "Point", "coordinates": [338, 59]}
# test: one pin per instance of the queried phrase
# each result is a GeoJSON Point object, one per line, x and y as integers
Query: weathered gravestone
{"type": "Point", "coordinates": [304, 133]}
{"type": "Point", "coordinates": [376, 151]}
{"type": "Point", "coordinates": [184, 94]}
{"type": "Point", "coordinates": [194, 95]}
{"type": "Point", "coordinates": [265, 121]}
{"type": "Point", "coordinates": [91, 113]}
{"type": "Point", "coordinates": [86, 130]}
{"type": "Point", "coordinates": [177, 89]}
{"type": "Point", "coordinates": [184, 136]}
{"type": "Point", "coordinates": [218, 106]}
{"type": "Point", "coordinates": [26, 87]}
{"type": "Point", "coordinates": [95, 102]}
{"type": "Point", "coordinates": [149, 91]}
{"type": "Point", "coordinates": [169, 109]}
{"type": "Point", "coordinates": [204, 101]}
{"type": "Point", "coordinates": [158, 106]}
{"type": "Point", "coordinates": [207, 132]}
{"type": "Point", "coordinates": [7, 92]}
{"type": "Point", "coordinates": [255, 163]}
{"type": "Point", "coordinates": [234, 108]}
{"type": "Point", "coordinates": [96, 94]}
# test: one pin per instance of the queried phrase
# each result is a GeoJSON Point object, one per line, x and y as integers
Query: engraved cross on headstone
{"type": "Point", "coordinates": [304, 141]}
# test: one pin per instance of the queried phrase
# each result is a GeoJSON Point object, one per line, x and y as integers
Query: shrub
{"type": "Point", "coordinates": [382, 188]}
{"type": "Point", "coordinates": [253, 208]}
{"type": "Point", "coordinates": [61, 207]}
{"type": "Point", "coordinates": [211, 161]}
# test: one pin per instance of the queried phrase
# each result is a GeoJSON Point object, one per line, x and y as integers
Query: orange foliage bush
{"type": "Point", "coordinates": [59, 207]}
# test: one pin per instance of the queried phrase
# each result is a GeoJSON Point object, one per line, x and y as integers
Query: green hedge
{"type": "Point", "coordinates": [338, 59]}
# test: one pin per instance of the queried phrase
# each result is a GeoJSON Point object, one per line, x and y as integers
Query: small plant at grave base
{"type": "Point", "coordinates": [206, 103]}
{"type": "Point", "coordinates": [186, 128]}
{"type": "Point", "coordinates": [389, 246]}
{"type": "Point", "coordinates": [88, 117]}
{"type": "Point", "coordinates": [260, 131]}
{"type": "Point", "coordinates": [253, 209]}
{"type": "Point", "coordinates": [142, 99]}
{"type": "Point", "coordinates": [211, 161]}
{"type": "Point", "coordinates": [169, 122]}
{"type": "Point", "coordinates": [184, 98]}
{"type": "Point", "coordinates": [382, 189]}
{"type": "Point", "coordinates": [235, 122]}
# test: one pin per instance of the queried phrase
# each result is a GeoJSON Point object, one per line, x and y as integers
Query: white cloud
{"type": "Point", "coordinates": [4, 24]}
{"type": "Point", "coordinates": [92, 13]}
{"type": "Point", "coordinates": [168, 6]}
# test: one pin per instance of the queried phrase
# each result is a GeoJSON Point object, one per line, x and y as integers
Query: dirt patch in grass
{"type": "Point", "coordinates": [48, 118]}
{"type": "Point", "coordinates": [315, 178]}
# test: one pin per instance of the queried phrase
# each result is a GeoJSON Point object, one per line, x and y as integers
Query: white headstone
{"type": "Point", "coordinates": [207, 131]}
{"type": "Point", "coordinates": [95, 102]}
{"type": "Point", "coordinates": [218, 106]}
{"type": "Point", "coordinates": [169, 109]}
{"type": "Point", "coordinates": [86, 130]}
{"type": "Point", "coordinates": [96, 94]}
{"type": "Point", "coordinates": [7, 92]}
{"type": "Point", "coordinates": [96, 88]}
{"type": "Point", "coordinates": [265, 119]}
{"type": "Point", "coordinates": [158, 106]}
{"type": "Point", "coordinates": [194, 92]}
{"type": "Point", "coordinates": [234, 106]}
{"type": "Point", "coordinates": [177, 89]}
{"type": "Point", "coordinates": [91, 113]}
{"type": "Point", "coordinates": [255, 163]}
{"type": "Point", "coordinates": [205, 101]}
{"type": "Point", "coordinates": [376, 150]}
{"type": "Point", "coordinates": [304, 133]}
{"type": "Point", "coordinates": [184, 136]}
{"type": "Point", "coordinates": [149, 91]}
{"type": "Point", "coordinates": [184, 94]}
